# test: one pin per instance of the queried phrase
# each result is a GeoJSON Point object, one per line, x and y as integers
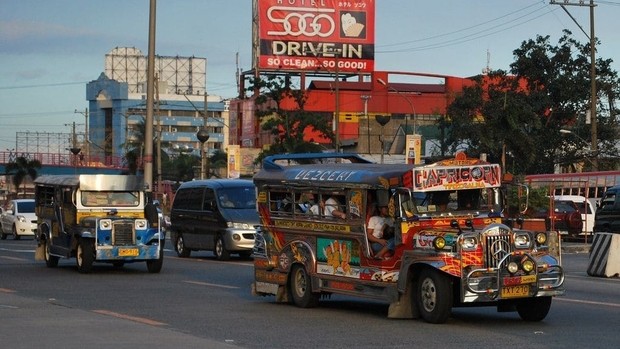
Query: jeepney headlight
{"type": "Point", "coordinates": [469, 243]}
{"type": "Point", "coordinates": [439, 243]}
{"type": "Point", "coordinates": [140, 224]}
{"type": "Point", "coordinates": [522, 240]}
{"type": "Point", "coordinates": [513, 267]}
{"type": "Point", "coordinates": [541, 238]}
{"type": "Point", "coordinates": [105, 224]}
{"type": "Point", "coordinates": [527, 265]}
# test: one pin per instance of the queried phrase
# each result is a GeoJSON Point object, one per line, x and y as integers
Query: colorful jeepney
{"type": "Point", "coordinates": [97, 218]}
{"type": "Point", "coordinates": [451, 246]}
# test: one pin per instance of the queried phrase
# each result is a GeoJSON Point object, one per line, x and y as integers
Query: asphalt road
{"type": "Point", "coordinates": [202, 303]}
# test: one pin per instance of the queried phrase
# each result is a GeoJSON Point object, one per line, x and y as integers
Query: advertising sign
{"type": "Point", "coordinates": [414, 148]}
{"type": "Point", "coordinates": [316, 35]}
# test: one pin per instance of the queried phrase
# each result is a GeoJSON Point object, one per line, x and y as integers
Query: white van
{"type": "Point", "coordinates": [585, 207]}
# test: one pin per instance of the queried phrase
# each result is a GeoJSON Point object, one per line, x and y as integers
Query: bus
{"type": "Point", "coordinates": [450, 247]}
{"type": "Point", "coordinates": [97, 218]}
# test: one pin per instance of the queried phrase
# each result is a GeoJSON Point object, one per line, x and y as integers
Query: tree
{"type": "Point", "coordinates": [135, 148]}
{"type": "Point", "coordinates": [280, 110]}
{"type": "Point", "coordinates": [518, 114]}
{"type": "Point", "coordinates": [21, 168]}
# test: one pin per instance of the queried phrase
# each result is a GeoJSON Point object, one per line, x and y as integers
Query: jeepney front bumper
{"type": "Point", "coordinates": [481, 284]}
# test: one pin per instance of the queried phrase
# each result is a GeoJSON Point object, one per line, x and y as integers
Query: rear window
{"type": "Point", "coordinates": [564, 206]}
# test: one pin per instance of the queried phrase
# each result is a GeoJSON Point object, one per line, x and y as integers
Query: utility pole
{"type": "Point", "coordinates": [593, 96]}
{"type": "Point", "coordinates": [86, 137]}
{"type": "Point", "coordinates": [148, 134]}
{"type": "Point", "coordinates": [366, 98]}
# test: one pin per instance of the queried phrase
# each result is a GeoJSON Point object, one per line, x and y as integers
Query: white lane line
{"type": "Point", "coordinates": [129, 317]}
{"type": "Point", "coordinates": [209, 284]}
{"type": "Point", "coordinates": [587, 302]}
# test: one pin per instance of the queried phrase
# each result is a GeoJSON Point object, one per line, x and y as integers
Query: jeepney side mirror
{"type": "Point", "coordinates": [455, 224]}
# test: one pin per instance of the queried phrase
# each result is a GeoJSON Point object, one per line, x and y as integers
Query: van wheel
{"type": "Point", "coordinates": [179, 245]}
{"type": "Point", "coordinates": [220, 251]}
{"type": "Point", "coordinates": [85, 256]}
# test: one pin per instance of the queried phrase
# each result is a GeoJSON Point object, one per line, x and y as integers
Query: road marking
{"type": "Point", "coordinates": [588, 302]}
{"type": "Point", "coordinates": [7, 290]}
{"type": "Point", "coordinates": [208, 284]}
{"type": "Point", "coordinates": [13, 258]}
{"type": "Point", "coordinates": [129, 317]}
{"type": "Point", "coordinates": [18, 251]}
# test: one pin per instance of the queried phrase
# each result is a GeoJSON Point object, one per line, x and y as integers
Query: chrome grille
{"type": "Point", "coordinates": [123, 233]}
{"type": "Point", "coordinates": [497, 246]}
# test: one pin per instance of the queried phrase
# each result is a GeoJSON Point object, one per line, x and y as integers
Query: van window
{"type": "Point", "coordinates": [237, 198]}
{"type": "Point", "coordinates": [608, 201]}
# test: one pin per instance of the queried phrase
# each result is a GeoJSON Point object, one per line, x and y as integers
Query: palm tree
{"type": "Point", "coordinates": [21, 168]}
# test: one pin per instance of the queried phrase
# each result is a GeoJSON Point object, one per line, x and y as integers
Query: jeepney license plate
{"type": "Point", "coordinates": [515, 291]}
{"type": "Point", "coordinates": [128, 252]}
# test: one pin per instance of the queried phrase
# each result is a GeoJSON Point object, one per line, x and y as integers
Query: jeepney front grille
{"type": "Point", "coordinates": [123, 233]}
{"type": "Point", "coordinates": [497, 246]}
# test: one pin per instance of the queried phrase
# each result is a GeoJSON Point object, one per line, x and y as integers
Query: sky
{"type": "Point", "coordinates": [50, 49]}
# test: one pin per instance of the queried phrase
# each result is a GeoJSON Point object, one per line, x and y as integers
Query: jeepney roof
{"type": "Point", "coordinates": [95, 182]}
{"type": "Point", "coordinates": [360, 172]}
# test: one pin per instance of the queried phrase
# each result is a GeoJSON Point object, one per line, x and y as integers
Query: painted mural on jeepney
{"type": "Point", "coordinates": [424, 239]}
{"type": "Point", "coordinates": [294, 252]}
{"type": "Point", "coordinates": [338, 257]}
{"type": "Point", "coordinates": [373, 274]}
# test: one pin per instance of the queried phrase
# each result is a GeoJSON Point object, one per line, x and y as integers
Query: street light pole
{"type": "Point", "coordinates": [390, 88]}
{"type": "Point", "coordinates": [366, 98]}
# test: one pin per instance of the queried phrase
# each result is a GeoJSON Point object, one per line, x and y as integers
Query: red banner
{"type": "Point", "coordinates": [317, 35]}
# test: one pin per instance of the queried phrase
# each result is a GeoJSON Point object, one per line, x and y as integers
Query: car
{"type": "Point", "coordinates": [566, 218]}
{"type": "Point", "coordinates": [18, 219]}
{"type": "Point", "coordinates": [586, 208]}
{"type": "Point", "coordinates": [607, 219]}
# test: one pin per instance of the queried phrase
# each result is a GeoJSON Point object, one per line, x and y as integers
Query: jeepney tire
{"type": "Point", "coordinates": [154, 266]}
{"type": "Point", "coordinates": [50, 261]}
{"type": "Point", "coordinates": [301, 289]}
{"type": "Point", "coordinates": [85, 256]}
{"type": "Point", "coordinates": [179, 246]}
{"type": "Point", "coordinates": [220, 251]}
{"type": "Point", "coordinates": [2, 235]}
{"type": "Point", "coordinates": [433, 296]}
{"type": "Point", "coordinates": [118, 264]}
{"type": "Point", "coordinates": [534, 309]}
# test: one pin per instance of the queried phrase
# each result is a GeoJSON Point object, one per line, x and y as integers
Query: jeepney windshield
{"type": "Point", "coordinates": [110, 198]}
{"type": "Point", "coordinates": [451, 203]}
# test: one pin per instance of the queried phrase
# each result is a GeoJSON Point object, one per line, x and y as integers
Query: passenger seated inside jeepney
{"type": "Point", "coordinates": [305, 201]}
{"type": "Point", "coordinates": [440, 199]}
{"type": "Point", "coordinates": [380, 233]}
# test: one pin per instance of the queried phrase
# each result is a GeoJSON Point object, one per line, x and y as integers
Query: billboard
{"type": "Point", "coordinates": [316, 35]}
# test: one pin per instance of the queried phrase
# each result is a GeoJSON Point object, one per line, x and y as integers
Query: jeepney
{"type": "Point", "coordinates": [451, 247]}
{"type": "Point", "coordinates": [97, 218]}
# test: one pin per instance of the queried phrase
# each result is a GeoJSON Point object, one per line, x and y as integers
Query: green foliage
{"type": "Point", "coordinates": [287, 125]}
{"type": "Point", "coordinates": [520, 113]}
{"type": "Point", "coordinates": [21, 168]}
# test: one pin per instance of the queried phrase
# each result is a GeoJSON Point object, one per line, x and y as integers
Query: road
{"type": "Point", "coordinates": [203, 303]}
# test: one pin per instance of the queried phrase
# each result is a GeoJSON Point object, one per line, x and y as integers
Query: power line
{"type": "Point", "coordinates": [43, 85]}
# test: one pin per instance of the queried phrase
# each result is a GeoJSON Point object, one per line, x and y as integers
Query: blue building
{"type": "Point", "coordinates": [117, 106]}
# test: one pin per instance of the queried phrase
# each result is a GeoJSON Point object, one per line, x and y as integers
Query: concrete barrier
{"type": "Point", "coordinates": [605, 255]}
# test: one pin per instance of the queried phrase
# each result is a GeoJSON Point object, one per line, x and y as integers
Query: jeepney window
{"type": "Point", "coordinates": [356, 203]}
{"type": "Point", "coordinates": [280, 202]}
{"type": "Point", "coordinates": [110, 198]}
{"type": "Point", "coordinates": [45, 196]}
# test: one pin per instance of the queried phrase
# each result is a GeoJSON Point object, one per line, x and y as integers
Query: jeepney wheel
{"type": "Point", "coordinates": [154, 265]}
{"type": "Point", "coordinates": [534, 309]}
{"type": "Point", "coordinates": [220, 251]}
{"type": "Point", "coordinates": [179, 245]}
{"type": "Point", "coordinates": [85, 256]}
{"type": "Point", "coordinates": [15, 235]}
{"type": "Point", "coordinates": [50, 261]}
{"type": "Point", "coordinates": [118, 264]}
{"type": "Point", "coordinates": [300, 288]}
{"type": "Point", "coordinates": [434, 296]}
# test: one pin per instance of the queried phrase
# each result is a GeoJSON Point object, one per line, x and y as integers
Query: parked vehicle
{"type": "Point", "coordinates": [564, 216]}
{"type": "Point", "coordinates": [214, 214]}
{"type": "Point", "coordinates": [607, 218]}
{"type": "Point", "coordinates": [585, 207]}
{"type": "Point", "coordinates": [18, 219]}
